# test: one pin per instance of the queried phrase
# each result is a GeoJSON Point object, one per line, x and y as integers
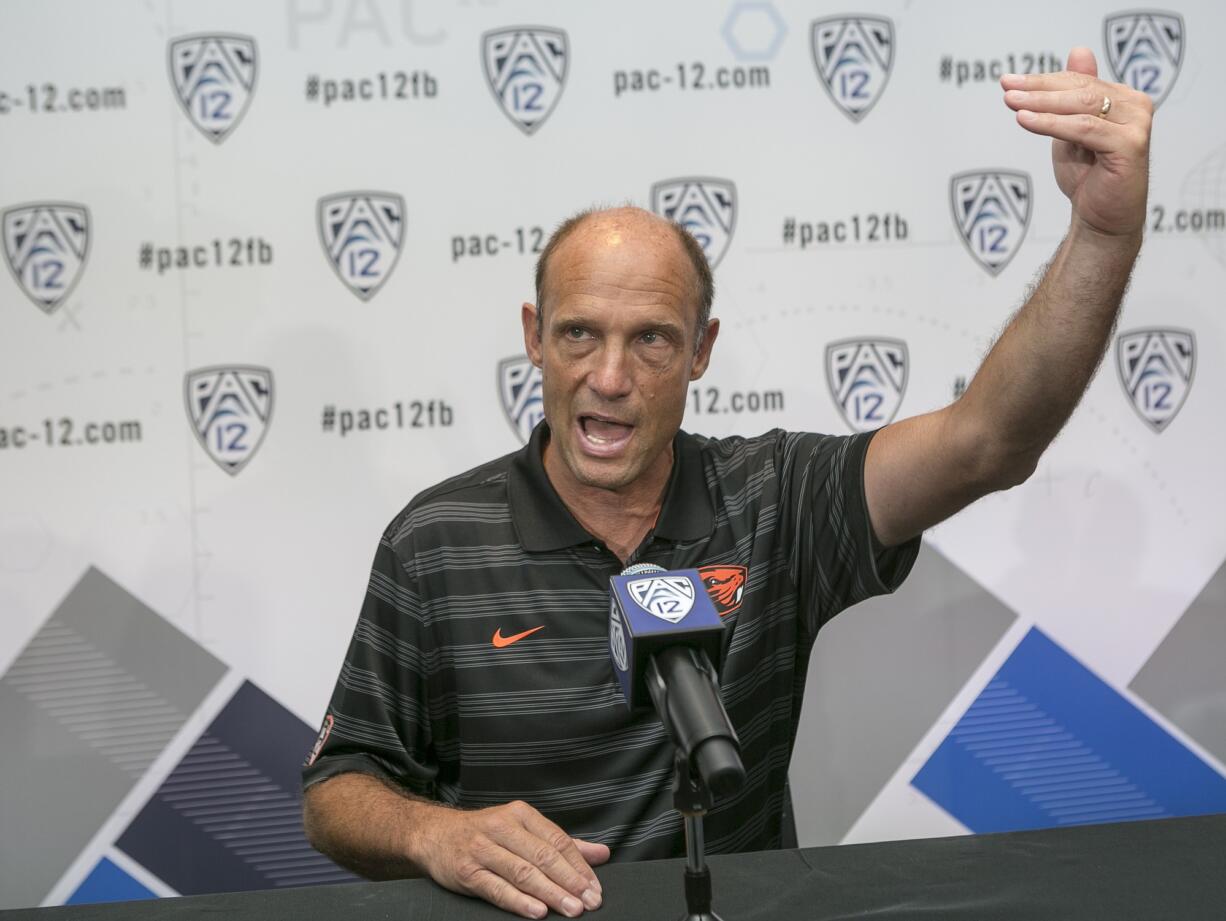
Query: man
{"type": "Point", "coordinates": [429, 714]}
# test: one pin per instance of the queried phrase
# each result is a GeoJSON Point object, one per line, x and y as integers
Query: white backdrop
{"type": "Point", "coordinates": [1105, 549]}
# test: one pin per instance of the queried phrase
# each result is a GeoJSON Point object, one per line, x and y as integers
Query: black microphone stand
{"type": "Point", "coordinates": [707, 757]}
{"type": "Point", "coordinates": [692, 798]}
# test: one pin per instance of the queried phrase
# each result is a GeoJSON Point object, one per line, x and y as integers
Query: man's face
{"type": "Point", "coordinates": [616, 351]}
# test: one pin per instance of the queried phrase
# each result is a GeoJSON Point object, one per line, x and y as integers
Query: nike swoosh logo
{"type": "Point", "coordinates": [500, 641]}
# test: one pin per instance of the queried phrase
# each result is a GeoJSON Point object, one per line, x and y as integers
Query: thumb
{"type": "Point", "coordinates": [595, 854]}
{"type": "Point", "coordinates": [1081, 61]}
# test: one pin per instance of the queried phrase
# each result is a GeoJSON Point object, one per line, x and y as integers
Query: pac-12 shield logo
{"type": "Point", "coordinates": [519, 388]}
{"type": "Point", "coordinates": [704, 207]}
{"type": "Point", "coordinates": [617, 640]}
{"type": "Point", "coordinates": [725, 585]}
{"type": "Point", "coordinates": [361, 233]}
{"type": "Point", "coordinates": [229, 408]}
{"type": "Point", "coordinates": [991, 211]}
{"type": "Point", "coordinates": [45, 245]}
{"type": "Point", "coordinates": [525, 67]}
{"type": "Point", "coordinates": [1145, 49]}
{"type": "Point", "coordinates": [1156, 368]}
{"type": "Point", "coordinates": [853, 56]}
{"type": "Point", "coordinates": [214, 77]}
{"type": "Point", "coordinates": [669, 598]}
{"type": "Point", "coordinates": [867, 379]}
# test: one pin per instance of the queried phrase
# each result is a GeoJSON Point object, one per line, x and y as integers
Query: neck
{"type": "Point", "coordinates": [620, 518]}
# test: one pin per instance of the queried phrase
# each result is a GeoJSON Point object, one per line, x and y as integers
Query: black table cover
{"type": "Point", "coordinates": [1169, 869]}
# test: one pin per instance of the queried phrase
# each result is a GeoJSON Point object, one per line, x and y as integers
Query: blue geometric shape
{"type": "Point", "coordinates": [107, 883]}
{"type": "Point", "coordinates": [228, 818]}
{"type": "Point", "coordinates": [1049, 743]}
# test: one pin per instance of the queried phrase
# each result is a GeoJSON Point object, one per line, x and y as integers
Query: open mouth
{"type": "Point", "coordinates": [604, 436]}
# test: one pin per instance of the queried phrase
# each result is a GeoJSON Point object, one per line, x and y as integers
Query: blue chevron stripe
{"type": "Point", "coordinates": [1049, 743]}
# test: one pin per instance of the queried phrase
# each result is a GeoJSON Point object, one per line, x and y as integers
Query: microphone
{"type": "Point", "coordinates": [664, 635]}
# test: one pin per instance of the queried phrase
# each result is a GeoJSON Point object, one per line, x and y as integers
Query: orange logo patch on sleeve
{"type": "Point", "coordinates": [725, 585]}
{"type": "Point", "coordinates": [324, 732]}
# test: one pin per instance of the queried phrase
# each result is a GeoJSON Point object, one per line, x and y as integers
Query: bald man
{"type": "Point", "coordinates": [475, 734]}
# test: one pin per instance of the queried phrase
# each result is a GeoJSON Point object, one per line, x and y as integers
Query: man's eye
{"type": "Point", "coordinates": [650, 337]}
{"type": "Point", "coordinates": [575, 332]}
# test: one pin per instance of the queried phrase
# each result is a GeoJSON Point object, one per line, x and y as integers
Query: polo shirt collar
{"type": "Point", "coordinates": [687, 513]}
{"type": "Point", "coordinates": [543, 522]}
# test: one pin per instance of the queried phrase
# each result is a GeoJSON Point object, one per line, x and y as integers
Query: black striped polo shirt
{"type": "Point", "coordinates": [479, 670]}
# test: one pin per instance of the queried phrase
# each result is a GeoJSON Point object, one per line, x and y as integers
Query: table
{"type": "Point", "coordinates": [1167, 869]}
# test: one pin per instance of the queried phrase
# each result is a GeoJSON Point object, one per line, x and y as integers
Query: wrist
{"type": "Point", "coordinates": [1083, 233]}
{"type": "Point", "coordinates": [417, 831]}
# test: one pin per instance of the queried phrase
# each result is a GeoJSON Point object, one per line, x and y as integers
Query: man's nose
{"type": "Point", "coordinates": [610, 376]}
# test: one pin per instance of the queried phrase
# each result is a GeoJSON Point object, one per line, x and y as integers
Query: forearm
{"type": "Point", "coordinates": [920, 471]}
{"type": "Point", "coordinates": [366, 826]}
{"type": "Point", "coordinates": [1034, 376]}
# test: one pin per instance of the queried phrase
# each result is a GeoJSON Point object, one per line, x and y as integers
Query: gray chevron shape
{"type": "Point", "coordinates": [880, 675]}
{"type": "Point", "coordinates": [1185, 677]}
{"type": "Point", "coordinates": [87, 706]}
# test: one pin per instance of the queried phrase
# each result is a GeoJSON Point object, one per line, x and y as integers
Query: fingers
{"type": "Point", "coordinates": [1081, 60]}
{"type": "Point", "coordinates": [1082, 69]}
{"type": "Point", "coordinates": [516, 859]}
{"type": "Point", "coordinates": [563, 846]}
{"type": "Point", "coordinates": [524, 887]}
{"type": "Point", "coordinates": [1087, 100]}
{"type": "Point", "coordinates": [1061, 80]}
{"type": "Point", "coordinates": [485, 884]}
{"type": "Point", "coordinates": [552, 852]}
{"type": "Point", "coordinates": [1088, 131]}
{"type": "Point", "coordinates": [1068, 106]}
{"type": "Point", "coordinates": [594, 854]}
{"type": "Point", "coordinates": [1100, 135]}
{"type": "Point", "coordinates": [1074, 92]}
{"type": "Point", "coordinates": [1075, 115]}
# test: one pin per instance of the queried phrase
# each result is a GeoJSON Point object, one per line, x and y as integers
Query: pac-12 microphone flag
{"type": "Point", "coordinates": [651, 609]}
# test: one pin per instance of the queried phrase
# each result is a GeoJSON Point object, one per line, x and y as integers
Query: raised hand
{"type": "Point", "coordinates": [1100, 146]}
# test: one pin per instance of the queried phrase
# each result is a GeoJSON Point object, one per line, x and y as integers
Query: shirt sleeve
{"type": "Point", "coordinates": [835, 560]}
{"type": "Point", "coordinates": [378, 719]}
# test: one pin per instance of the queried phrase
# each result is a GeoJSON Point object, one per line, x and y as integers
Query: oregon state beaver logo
{"type": "Point", "coordinates": [725, 585]}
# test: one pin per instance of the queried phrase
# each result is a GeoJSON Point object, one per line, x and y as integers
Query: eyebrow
{"type": "Point", "coordinates": [563, 321]}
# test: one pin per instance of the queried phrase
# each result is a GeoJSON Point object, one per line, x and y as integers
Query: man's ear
{"type": "Point", "coordinates": [702, 357]}
{"type": "Point", "coordinates": [532, 338]}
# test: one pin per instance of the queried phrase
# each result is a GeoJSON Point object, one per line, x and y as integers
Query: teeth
{"type": "Point", "coordinates": [599, 432]}
{"type": "Point", "coordinates": [597, 439]}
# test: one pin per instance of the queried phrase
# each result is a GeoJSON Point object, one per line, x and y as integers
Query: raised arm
{"type": "Point", "coordinates": [921, 470]}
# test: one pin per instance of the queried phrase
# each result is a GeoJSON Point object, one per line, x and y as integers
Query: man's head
{"type": "Point", "coordinates": [620, 328]}
{"type": "Point", "coordinates": [704, 283]}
